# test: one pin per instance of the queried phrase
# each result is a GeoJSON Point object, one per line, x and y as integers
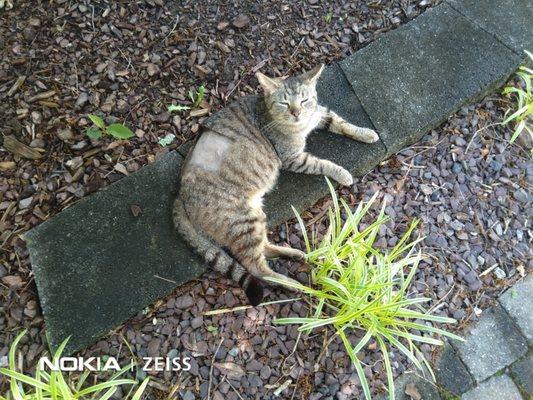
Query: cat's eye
{"type": "Point", "coordinates": [283, 103]}
{"type": "Point", "coordinates": [304, 101]}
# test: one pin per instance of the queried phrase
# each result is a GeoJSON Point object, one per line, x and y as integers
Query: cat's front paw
{"type": "Point", "coordinates": [344, 177]}
{"type": "Point", "coordinates": [369, 136]}
{"type": "Point", "coordinates": [362, 134]}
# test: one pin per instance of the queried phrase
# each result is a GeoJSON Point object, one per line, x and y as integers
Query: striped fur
{"type": "Point", "coordinates": [236, 162]}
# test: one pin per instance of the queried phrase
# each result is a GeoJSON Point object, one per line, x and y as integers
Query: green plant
{"type": "Point", "coordinates": [356, 287]}
{"type": "Point", "coordinates": [178, 107]}
{"type": "Point", "coordinates": [197, 96]}
{"type": "Point", "coordinates": [118, 131]}
{"type": "Point", "coordinates": [521, 114]}
{"type": "Point", "coordinates": [165, 141]}
{"type": "Point", "coordinates": [53, 385]}
{"type": "Point", "coordinates": [328, 17]}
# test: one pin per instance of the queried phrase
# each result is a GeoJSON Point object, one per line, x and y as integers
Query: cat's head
{"type": "Point", "coordinates": [291, 101]}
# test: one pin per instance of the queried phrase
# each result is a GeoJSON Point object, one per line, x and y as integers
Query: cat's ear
{"type": "Point", "coordinates": [310, 77]}
{"type": "Point", "coordinates": [269, 84]}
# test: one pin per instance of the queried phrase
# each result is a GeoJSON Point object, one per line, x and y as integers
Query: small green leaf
{"type": "Point", "coordinates": [99, 122]}
{"type": "Point", "coordinates": [93, 132]}
{"type": "Point", "coordinates": [178, 107]}
{"type": "Point", "coordinates": [119, 131]}
{"type": "Point", "coordinates": [166, 140]}
{"type": "Point", "coordinates": [213, 329]}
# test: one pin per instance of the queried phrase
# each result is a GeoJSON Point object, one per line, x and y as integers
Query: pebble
{"type": "Point", "coordinates": [500, 273]}
{"type": "Point", "coordinates": [241, 21]}
{"type": "Point", "coordinates": [65, 134]}
{"type": "Point", "coordinates": [184, 302]}
{"type": "Point", "coordinates": [188, 395]}
{"type": "Point", "coordinates": [521, 195]}
{"type": "Point", "coordinates": [457, 168]}
{"type": "Point", "coordinates": [25, 203]}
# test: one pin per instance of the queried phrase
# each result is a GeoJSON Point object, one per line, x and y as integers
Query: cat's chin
{"type": "Point", "coordinates": [293, 125]}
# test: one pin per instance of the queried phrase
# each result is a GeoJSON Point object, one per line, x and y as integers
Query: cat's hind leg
{"type": "Point", "coordinates": [247, 241]}
{"type": "Point", "coordinates": [216, 256]}
{"type": "Point", "coordinates": [274, 251]}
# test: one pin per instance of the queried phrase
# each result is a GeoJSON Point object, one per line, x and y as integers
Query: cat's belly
{"type": "Point", "coordinates": [245, 165]}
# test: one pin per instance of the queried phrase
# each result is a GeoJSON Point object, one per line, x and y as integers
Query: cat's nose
{"type": "Point", "coordinates": [295, 111]}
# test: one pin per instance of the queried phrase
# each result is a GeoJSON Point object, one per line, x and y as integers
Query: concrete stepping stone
{"type": "Point", "coordinates": [497, 387]}
{"type": "Point", "coordinates": [451, 373]}
{"type": "Point", "coordinates": [96, 263]}
{"type": "Point", "coordinates": [510, 20]}
{"type": "Point", "coordinates": [491, 345]}
{"type": "Point", "coordinates": [411, 79]}
{"type": "Point", "coordinates": [522, 373]}
{"type": "Point", "coordinates": [518, 302]}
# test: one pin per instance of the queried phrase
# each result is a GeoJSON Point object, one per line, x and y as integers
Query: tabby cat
{"type": "Point", "coordinates": [236, 161]}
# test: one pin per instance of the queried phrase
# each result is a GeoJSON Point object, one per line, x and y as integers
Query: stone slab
{"type": "Point", "coordinates": [518, 302]}
{"type": "Point", "coordinates": [510, 20]}
{"type": "Point", "coordinates": [426, 388]}
{"type": "Point", "coordinates": [302, 191]}
{"type": "Point", "coordinates": [522, 373]}
{"type": "Point", "coordinates": [497, 387]}
{"type": "Point", "coordinates": [95, 264]}
{"type": "Point", "coordinates": [451, 373]}
{"type": "Point", "coordinates": [491, 345]}
{"type": "Point", "coordinates": [411, 79]}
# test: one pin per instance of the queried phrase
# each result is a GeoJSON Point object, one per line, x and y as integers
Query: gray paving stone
{"type": "Point", "coordinates": [302, 191]}
{"type": "Point", "coordinates": [411, 79]}
{"type": "Point", "coordinates": [510, 20]}
{"type": "Point", "coordinates": [451, 373]}
{"type": "Point", "coordinates": [518, 302]}
{"type": "Point", "coordinates": [522, 373]}
{"type": "Point", "coordinates": [95, 264]}
{"type": "Point", "coordinates": [491, 345]}
{"type": "Point", "coordinates": [426, 388]}
{"type": "Point", "coordinates": [497, 387]}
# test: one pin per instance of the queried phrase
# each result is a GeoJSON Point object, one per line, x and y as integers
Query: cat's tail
{"type": "Point", "coordinates": [216, 257]}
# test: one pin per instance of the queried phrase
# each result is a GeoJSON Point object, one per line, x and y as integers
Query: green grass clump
{"type": "Point", "coordinates": [358, 288]}
{"type": "Point", "coordinates": [521, 115]}
{"type": "Point", "coordinates": [52, 385]}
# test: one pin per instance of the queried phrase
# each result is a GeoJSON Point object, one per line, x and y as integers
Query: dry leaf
{"type": "Point", "coordinates": [5, 165]}
{"type": "Point", "coordinates": [521, 270]}
{"type": "Point", "coordinates": [121, 168]}
{"type": "Point", "coordinates": [42, 96]}
{"type": "Point", "coordinates": [135, 210]}
{"type": "Point", "coordinates": [13, 281]}
{"type": "Point", "coordinates": [14, 146]}
{"type": "Point", "coordinates": [231, 370]}
{"type": "Point", "coordinates": [199, 113]}
{"type": "Point", "coordinates": [18, 83]}
{"type": "Point", "coordinates": [412, 391]}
